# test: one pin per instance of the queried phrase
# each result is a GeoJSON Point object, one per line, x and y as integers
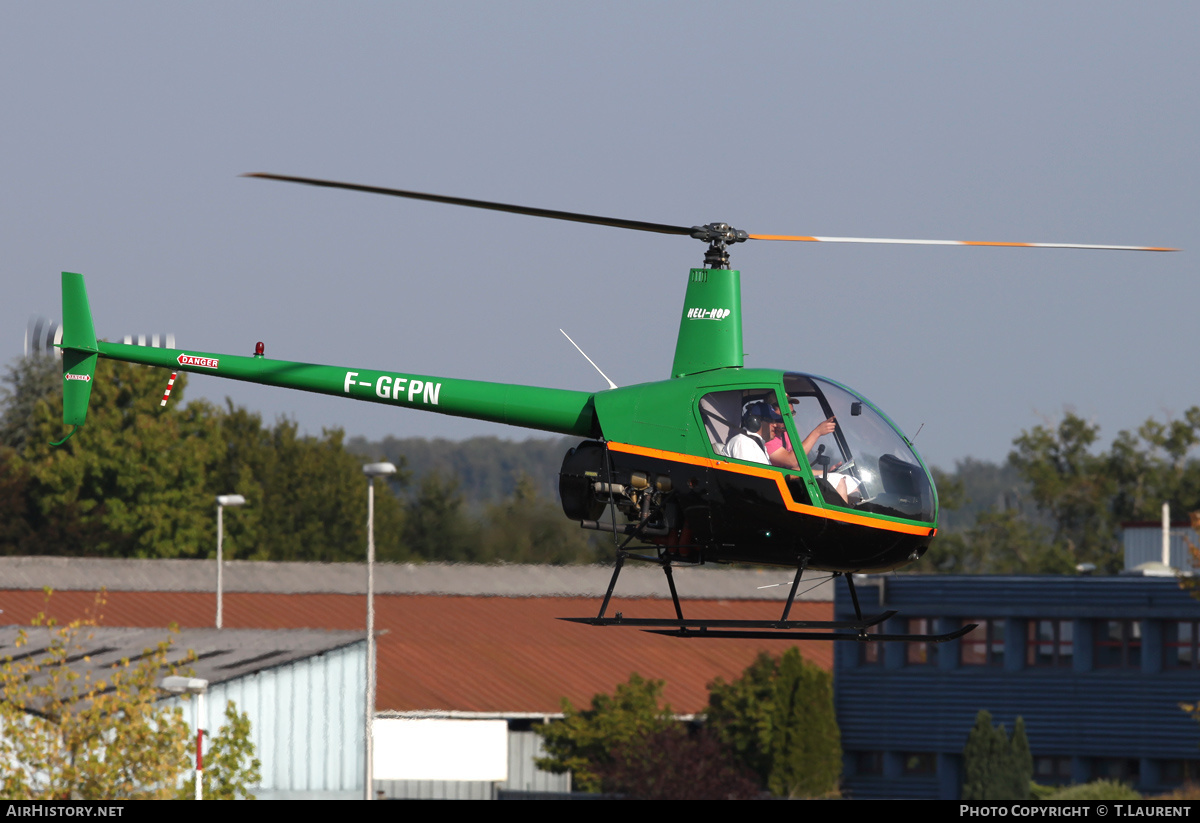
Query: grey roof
{"type": "Point", "coordinates": [637, 579]}
{"type": "Point", "coordinates": [221, 654]}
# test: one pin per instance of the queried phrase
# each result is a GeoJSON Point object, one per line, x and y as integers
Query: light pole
{"type": "Point", "coordinates": [371, 470]}
{"type": "Point", "coordinates": [223, 500]}
{"type": "Point", "coordinates": [196, 686]}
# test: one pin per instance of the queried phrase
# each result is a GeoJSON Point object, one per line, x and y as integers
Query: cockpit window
{"type": "Point", "coordinates": [744, 424]}
{"type": "Point", "coordinates": [859, 459]}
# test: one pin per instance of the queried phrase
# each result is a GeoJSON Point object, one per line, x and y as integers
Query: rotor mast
{"type": "Point", "coordinates": [718, 236]}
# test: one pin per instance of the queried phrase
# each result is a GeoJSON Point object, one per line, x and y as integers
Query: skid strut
{"type": "Point", "coordinates": [781, 629]}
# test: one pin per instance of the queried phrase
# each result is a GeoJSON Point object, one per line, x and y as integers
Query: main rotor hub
{"type": "Point", "coordinates": [718, 236]}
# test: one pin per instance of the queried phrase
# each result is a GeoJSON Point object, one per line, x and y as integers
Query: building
{"type": "Point", "coordinates": [302, 689]}
{"type": "Point", "coordinates": [458, 644]}
{"type": "Point", "coordinates": [1096, 666]}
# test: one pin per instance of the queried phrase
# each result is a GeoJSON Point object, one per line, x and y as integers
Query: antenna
{"type": "Point", "coordinates": [611, 384]}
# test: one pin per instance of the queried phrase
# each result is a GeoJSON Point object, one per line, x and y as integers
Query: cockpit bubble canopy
{"type": "Point", "coordinates": [867, 465]}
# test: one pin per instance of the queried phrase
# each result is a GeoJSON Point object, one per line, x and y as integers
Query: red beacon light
{"type": "Point", "coordinates": [258, 349]}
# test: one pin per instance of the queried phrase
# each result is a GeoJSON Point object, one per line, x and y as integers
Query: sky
{"type": "Point", "coordinates": [124, 128]}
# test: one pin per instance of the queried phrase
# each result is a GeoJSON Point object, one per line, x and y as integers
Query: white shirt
{"type": "Point", "coordinates": [747, 446]}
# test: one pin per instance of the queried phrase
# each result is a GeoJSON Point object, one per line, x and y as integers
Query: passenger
{"type": "Point", "coordinates": [779, 447]}
{"type": "Point", "coordinates": [749, 443]}
{"type": "Point", "coordinates": [781, 454]}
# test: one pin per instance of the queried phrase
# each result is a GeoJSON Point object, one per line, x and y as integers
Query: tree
{"type": "Point", "coordinates": [132, 486]}
{"type": "Point", "coordinates": [1073, 485]}
{"type": "Point", "coordinates": [527, 528]}
{"type": "Point", "coordinates": [140, 480]}
{"type": "Point", "coordinates": [584, 741]}
{"type": "Point", "coordinates": [69, 736]}
{"type": "Point", "coordinates": [1080, 495]}
{"type": "Point", "coordinates": [31, 381]}
{"type": "Point", "coordinates": [230, 766]}
{"type": "Point", "coordinates": [435, 526]}
{"type": "Point", "coordinates": [672, 764]}
{"type": "Point", "coordinates": [779, 722]}
{"type": "Point", "coordinates": [996, 767]}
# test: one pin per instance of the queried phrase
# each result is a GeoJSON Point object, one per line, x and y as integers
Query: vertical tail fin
{"type": "Point", "coordinates": [710, 330]}
{"type": "Point", "coordinates": [79, 351]}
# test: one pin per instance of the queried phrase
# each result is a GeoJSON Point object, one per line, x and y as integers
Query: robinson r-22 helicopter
{"type": "Point", "coordinates": [717, 463]}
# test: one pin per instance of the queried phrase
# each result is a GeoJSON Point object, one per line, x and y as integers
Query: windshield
{"type": "Point", "coordinates": [859, 459]}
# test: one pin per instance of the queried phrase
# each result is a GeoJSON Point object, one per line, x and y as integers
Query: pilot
{"type": "Point", "coordinates": [778, 448]}
{"type": "Point", "coordinates": [749, 443]}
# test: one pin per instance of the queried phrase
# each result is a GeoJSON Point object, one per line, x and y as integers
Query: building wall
{"type": "Point", "coordinates": [1143, 544]}
{"type": "Point", "coordinates": [524, 747]}
{"type": "Point", "coordinates": [905, 713]}
{"type": "Point", "coordinates": [306, 721]}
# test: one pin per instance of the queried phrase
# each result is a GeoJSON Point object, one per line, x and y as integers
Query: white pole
{"type": "Point", "coordinates": [220, 533]}
{"type": "Point", "coordinates": [370, 782]}
{"type": "Point", "coordinates": [1166, 535]}
{"type": "Point", "coordinates": [199, 747]}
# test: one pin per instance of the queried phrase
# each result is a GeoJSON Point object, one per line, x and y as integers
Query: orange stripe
{"type": "Point", "coordinates": [782, 237]}
{"type": "Point", "coordinates": [769, 474]}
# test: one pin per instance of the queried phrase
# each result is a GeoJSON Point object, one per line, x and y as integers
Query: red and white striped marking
{"type": "Point", "coordinates": [167, 393]}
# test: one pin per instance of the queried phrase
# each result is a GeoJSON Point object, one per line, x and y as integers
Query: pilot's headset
{"type": "Point", "coordinates": [753, 417]}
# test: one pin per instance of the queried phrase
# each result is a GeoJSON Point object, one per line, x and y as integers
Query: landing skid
{"type": "Point", "coordinates": [781, 629]}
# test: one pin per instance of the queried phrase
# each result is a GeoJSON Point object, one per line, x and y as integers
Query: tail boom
{"type": "Point", "coordinates": [554, 410]}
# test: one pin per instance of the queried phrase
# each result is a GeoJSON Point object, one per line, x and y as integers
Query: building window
{"type": "Point", "coordinates": [1050, 643]}
{"type": "Point", "coordinates": [1118, 644]}
{"type": "Point", "coordinates": [1174, 772]}
{"type": "Point", "coordinates": [920, 654]}
{"type": "Point", "coordinates": [1125, 770]}
{"type": "Point", "coordinates": [868, 763]}
{"type": "Point", "coordinates": [985, 645]}
{"type": "Point", "coordinates": [1052, 770]}
{"type": "Point", "coordinates": [870, 654]}
{"type": "Point", "coordinates": [1182, 650]}
{"type": "Point", "coordinates": [920, 763]}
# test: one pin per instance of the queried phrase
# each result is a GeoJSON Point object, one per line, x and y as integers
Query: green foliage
{"type": "Point", "coordinates": [996, 767]}
{"type": "Point", "coordinates": [131, 489]}
{"type": "Point", "coordinates": [488, 468]}
{"type": "Point", "coordinates": [32, 381]}
{"type": "Point", "coordinates": [583, 742]}
{"type": "Point", "coordinates": [230, 767]}
{"type": "Point", "coordinates": [1039, 792]}
{"type": "Point", "coordinates": [1000, 542]}
{"type": "Point", "coordinates": [1096, 790]}
{"type": "Point", "coordinates": [778, 721]}
{"type": "Point", "coordinates": [672, 764]}
{"type": "Point", "coordinates": [1074, 486]}
{"type": "Point", "coordinates": [435, 526]}
{"type": "Point", "coordinates": [71, 736]}
{"type": "Point", "coordinates": [1068, 498]}
{"type": "Point", "coordinates": [1022, 756]}
{"type": "Point", "coordinates": [140, 480]}
{"type": "Point", "coordinates": [528, 528]}
{"type": "Point", "coordinates": [306, 497]}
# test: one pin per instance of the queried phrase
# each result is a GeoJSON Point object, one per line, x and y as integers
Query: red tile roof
{"type": "Point", "coordinates": [475, 654]}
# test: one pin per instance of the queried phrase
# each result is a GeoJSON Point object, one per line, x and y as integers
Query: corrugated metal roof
{"type": "Point", "coordinates": [92, 651]}
{"type": "Point", "coordinates": [90, 574]}
{"type": "Point", "coordinates": [478, 654]}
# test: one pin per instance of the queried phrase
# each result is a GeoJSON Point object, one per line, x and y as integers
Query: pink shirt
{"type": "Point", "coordinates": [777, 443]}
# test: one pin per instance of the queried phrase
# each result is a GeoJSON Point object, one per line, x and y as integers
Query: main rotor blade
{"type": "Point", "coordinates": [803, 239]}
{"type": "Point", "coordinates": [554, 214]}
